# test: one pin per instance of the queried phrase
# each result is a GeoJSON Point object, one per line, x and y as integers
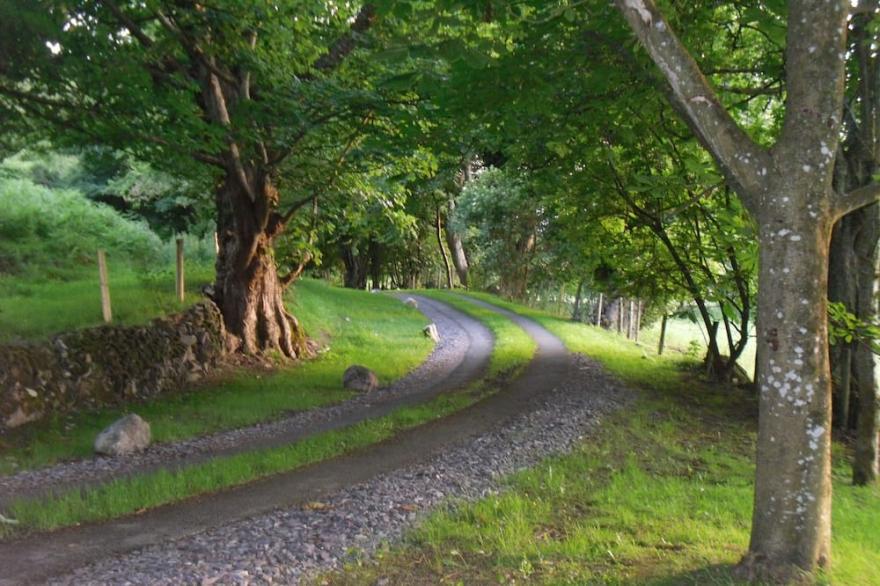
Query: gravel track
{"type": "Point", "coordinates": [288, 545]}
{"type": "Point", "coordinates": [288, 527]}
{"type": "Point", "coordinates": [461, 356]}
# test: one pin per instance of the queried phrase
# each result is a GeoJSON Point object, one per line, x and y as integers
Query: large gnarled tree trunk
{"type": "Point", "coordinates": [247, 288]}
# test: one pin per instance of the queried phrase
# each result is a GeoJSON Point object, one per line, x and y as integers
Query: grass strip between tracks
{"type": "Point", "coordinates": [512, 351]}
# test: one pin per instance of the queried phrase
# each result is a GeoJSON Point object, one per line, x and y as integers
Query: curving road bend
{"type": "Point", "coordinates": [461, 356]}
{"type": "Point", "coordinates": [265, 532]}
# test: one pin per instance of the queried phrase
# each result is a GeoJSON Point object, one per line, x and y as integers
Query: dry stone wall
{"type": "Point", "coordinates": [108, 365]}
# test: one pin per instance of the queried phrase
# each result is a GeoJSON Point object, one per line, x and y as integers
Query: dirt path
{"type": "Point", "coordinates": [461, 356]}
{"type": "Point", "coordinates": [39, 558]}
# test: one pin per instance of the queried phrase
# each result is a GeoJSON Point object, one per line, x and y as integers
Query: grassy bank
{"type": "Point", "coordinates": [358, 327]}
{"type": "Point", "coordinates": [511, 352]}
{"type": "Point", "coordinates": [660, 494]}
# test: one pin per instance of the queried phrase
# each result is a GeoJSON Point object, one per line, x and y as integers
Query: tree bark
{"type": "Point", "coordinates": [247, 289]}
{"type": "Point", "coordinates": [456, 247]}
{"type": "Point", "coordinates": [356, 266]}
{"type": "Point", "coordinates": [842, 280]}
{"type": "Point", "coordinates": [662, 342]}
{"type": "Point", "coordinates": [376, 263]}
{"type": "Point", "coordinates": [791, 525]}
{"type": "Point", "coordinates": [865, 459]}
{"type": "Point", "coordinates": [446, 265]}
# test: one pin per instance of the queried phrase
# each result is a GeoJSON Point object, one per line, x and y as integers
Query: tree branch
{"type": "Point", "coordinates": [136, 31]}
{"type": "Point", "coordinates": [193, 48]}
{"type": "Point", "coordinates": [844, 203]}
{"type": "Point", "coordinates": [743, 162]}
{"type": "Point", "coordinates": [346, 43]}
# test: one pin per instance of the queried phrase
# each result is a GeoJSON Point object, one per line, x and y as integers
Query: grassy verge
{"type": "Point", "coordinates": [373, 330]}
{"type": "Point", "coordinates": [512, 351]}
{"type": "Point", "coordinates": [661, 494]}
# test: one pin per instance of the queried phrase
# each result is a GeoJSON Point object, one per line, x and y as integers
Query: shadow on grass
{"type": "Point", "coordinates": [711, 575]}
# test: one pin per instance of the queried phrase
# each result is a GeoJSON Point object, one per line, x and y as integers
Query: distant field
{"type": "Point", "coordinates": [32, 309]}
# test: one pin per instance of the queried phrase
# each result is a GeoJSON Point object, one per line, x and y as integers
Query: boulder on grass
{"type": "Point", "coordinates": [432, 332]}
{"type": "Point", "coordinates": [360, 378]}
{"type": "Point", "coordinates": [410, 302]}
{"type": "Point", "coordinates": [125, 436]}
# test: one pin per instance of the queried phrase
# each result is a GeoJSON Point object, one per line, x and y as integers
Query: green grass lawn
{"type": "Point", "coordinates": [35, 309]}
{"type": "Point", "coordinates": [358, 327]}
{"type": "Point", "coordinates": [512, 351]}
{"type": "Point", "coordinates": [660, 494]}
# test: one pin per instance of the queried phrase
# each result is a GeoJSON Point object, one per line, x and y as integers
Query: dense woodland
{"type": "Point", "coordinates": [630, 162]}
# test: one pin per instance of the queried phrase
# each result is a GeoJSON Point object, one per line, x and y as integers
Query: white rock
{"type": "Point", "coordinates": [125, 436]}
{"type": "Point", "coordinates": [431, 332]}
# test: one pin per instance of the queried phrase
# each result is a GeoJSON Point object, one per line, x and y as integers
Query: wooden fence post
{"type": "Point", "coordinates": [599, 311]}
{"type": "Point", "coordinates": [181, 283]}
{"type": "Point", "coordinates": [105, 287]}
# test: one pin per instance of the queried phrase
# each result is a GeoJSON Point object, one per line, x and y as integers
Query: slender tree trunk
{"type": "Point", "coordinates": [865, 460]}
{"type": "Point", "coordinates": [599, 310]}
{"type": "Point", "coordinates": [639, 309]}
{"type": "Point", "coordinates": [247, 289]}
{"type": "Point", "coordinates": [619, 303]}
{"type": "Point", "coordinates": [842, 283]}
{"type": "Point", "coordinates": [792, 515]}
{"type": "Point", "coordinates": [576, 312]}
{"type": "Point", "coordinates": [630, 326]}
{"type": "Point", "coordinates": [662, 335]}
{"type": "Point", "coordinates": [456, 247]}
{"type": "Point", "coordinates": [439, 228]}
{"type": "Point", "coordinates": [376, 262]}
{"type": "Point", "coordinates": [356, 266]}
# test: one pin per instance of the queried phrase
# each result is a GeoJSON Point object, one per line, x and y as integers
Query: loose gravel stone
{"type": "Point", "coordinates": [287, 545]}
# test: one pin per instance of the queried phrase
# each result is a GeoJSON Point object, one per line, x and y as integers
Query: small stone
{"type": "Point", "coordinates": [410, 302]}
{"type": "Point", "coordinates": [125, 436]}
{"type": "Point", "coordinates": [360, 378]}
{"type": "Point", "coordinates": [188, 340]}
{"type": "Point", "coordinates": [431, 332]}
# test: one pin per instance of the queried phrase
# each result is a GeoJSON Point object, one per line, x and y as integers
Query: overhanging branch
{"type": "Point", "coordinates": [743, 161]}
